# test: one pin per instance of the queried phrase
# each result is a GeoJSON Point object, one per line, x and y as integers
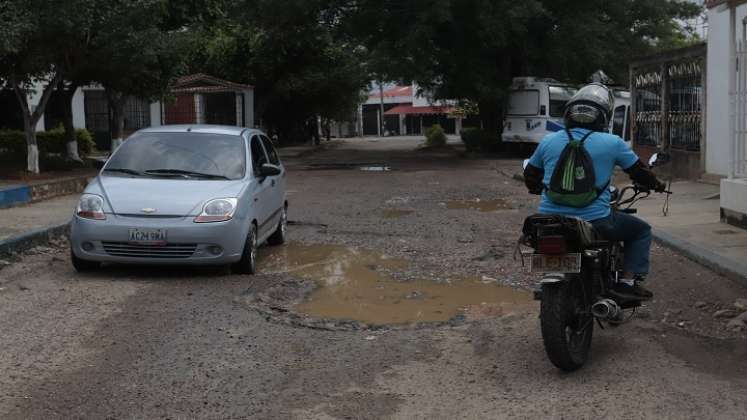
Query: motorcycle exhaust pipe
{"type": "Point", "coordinates": [605, 309]}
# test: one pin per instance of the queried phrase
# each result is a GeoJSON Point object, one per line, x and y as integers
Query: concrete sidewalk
{"type": "Point", "coordinates": [33, 224]}
{"type": "Point", "coordinates": [692, 226]}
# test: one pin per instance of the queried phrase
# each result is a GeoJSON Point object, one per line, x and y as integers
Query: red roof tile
{"type": "Point", "coordinates": [199, 82]}
{"type": "Point", "coordinates": [394, 92]}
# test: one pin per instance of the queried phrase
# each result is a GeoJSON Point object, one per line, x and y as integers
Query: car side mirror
{"type": "Point", "coordinates": [268, 169]}
{"type": "Point", "coordinates": [525, 163]}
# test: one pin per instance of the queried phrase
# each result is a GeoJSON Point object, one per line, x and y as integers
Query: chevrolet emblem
{"type": "Point", "coordinates": [148, 210]}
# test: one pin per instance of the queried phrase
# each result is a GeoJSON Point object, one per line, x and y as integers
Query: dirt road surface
{"type": "Point", "coordinates": [145, 343]}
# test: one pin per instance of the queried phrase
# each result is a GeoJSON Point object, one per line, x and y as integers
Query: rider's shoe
{"type": "Point", "coordinates": [634, 292]}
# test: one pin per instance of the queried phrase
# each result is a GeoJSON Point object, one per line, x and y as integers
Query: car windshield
{"type": "Point", "coordinates": [180, 155]}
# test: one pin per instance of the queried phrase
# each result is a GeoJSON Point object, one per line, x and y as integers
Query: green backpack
{"type": "Point", "coordinates": [573, 182]}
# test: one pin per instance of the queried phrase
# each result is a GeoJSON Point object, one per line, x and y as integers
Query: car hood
{"type": "Point", "coordinates": [163, 197]}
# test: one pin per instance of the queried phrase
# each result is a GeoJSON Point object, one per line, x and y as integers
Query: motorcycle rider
{"type": "Point", "coordinates": [590, 110]}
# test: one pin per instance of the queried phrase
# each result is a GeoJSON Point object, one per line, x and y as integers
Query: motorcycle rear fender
{"type": "Point", "coordinates": [553, 278]}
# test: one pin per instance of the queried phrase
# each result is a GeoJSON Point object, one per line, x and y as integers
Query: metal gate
{"type": "Point", "coordinates": [668, 106]}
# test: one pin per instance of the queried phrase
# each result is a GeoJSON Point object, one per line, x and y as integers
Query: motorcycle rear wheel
{"type": "Point", "coordinates": [566, 326]}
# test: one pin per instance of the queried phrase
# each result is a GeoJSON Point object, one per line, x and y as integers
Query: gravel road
{"type": "Point", "coordinates": [144, 343]}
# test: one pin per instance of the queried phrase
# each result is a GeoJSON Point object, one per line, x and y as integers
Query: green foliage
{"type": "Point", "coordinates": [294, 54]}
{"type": "Point", "coordinates": [478, 140]}
{"type": "Point", "coordinates": [13, 142]}
{"type": "Point", "coordinates": [471, 49]}
{"type": "Point", "coordinates": [435, 136]}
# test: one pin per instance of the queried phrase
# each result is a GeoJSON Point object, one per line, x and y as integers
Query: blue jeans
{"type": "Point", "coordinates": [635, 235]}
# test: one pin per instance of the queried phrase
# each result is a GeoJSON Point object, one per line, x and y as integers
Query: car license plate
{"type": "Point", "coordinates": [148, 236]}
{"type": "Point", "coordinates": [564, 263]}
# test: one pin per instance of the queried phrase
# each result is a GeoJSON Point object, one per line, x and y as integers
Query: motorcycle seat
{"type": "Point", "coordinates": [581, 231]}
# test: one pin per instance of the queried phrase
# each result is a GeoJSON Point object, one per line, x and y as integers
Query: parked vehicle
{"type": "Point", "coordinates": [183, 194]}
{"type": "Point", "coordinates": [579, 268]}
{"type": "Point", "coordinates": [536, 107]}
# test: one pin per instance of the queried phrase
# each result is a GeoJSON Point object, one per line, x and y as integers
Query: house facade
{"type": "Point", "coordinates": [193, 99]}
{"type": "Point", "coordinates": [726, 98]}
{"type": "Point", "coordinates": [407, 111]}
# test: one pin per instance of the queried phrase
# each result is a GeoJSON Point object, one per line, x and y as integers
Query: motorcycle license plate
{"type": "Point", "coordinates": [564, 263]}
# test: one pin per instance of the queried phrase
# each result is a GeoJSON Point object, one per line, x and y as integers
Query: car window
{"type": "Point", "coordinates": [270, 149]}
{"type": "Point", "coordinates": [216, 155]}
{"type": "Point", "coordinates": [523, 103]}
{"type": "Point", "coordinates": [258, 154]}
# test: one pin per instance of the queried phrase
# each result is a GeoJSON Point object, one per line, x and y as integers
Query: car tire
{"type": "Point", "coordinates": [82, 265]}
{"type": "Point", "coordinates": [248, 262]}
{"type": "Point", "coordinates": [279, 236]}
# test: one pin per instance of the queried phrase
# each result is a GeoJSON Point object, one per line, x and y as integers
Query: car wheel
{"type": "Point", "coordinates": [279, 236]}
{"type": "Point", "coordinates": [248, 262]}
{"type": "Point", "coordinates": [81, 265]}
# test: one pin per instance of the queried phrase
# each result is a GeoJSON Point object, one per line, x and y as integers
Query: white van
{"type": "Point", "coordinates": [536, 105]}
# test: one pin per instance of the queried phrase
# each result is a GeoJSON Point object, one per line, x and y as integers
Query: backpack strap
{"type": "Point", "coordinates": [583, 139]}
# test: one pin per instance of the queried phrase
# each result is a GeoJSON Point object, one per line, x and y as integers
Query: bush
{"type": "Point", "coordinates": [53, 141]}
{"type": "Point", "coordinates": [435, 136]}
{"type": "Point", "coordinates": [13, 142]}
{"type": "Point", "coordinates": [477, 140]}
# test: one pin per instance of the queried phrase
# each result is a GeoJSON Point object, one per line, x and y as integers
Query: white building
{"type": "Point", "coordinates": [726, 96]}
{"type": "Point", "coordinates": [407, 111]}
{"type": "Point", "coordinates": [194, 99]}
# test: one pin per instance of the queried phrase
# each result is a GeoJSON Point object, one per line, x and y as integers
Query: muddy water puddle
{"type": "Point", "coordinates": [356, 284]}
{"type": "Point", "coordinates": [395, 213]}
{"type": "Point", "coordinates": [479, 205]}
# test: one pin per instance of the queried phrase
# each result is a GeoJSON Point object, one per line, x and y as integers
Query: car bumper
{"type": "Point", "coordinates": [187, 242]}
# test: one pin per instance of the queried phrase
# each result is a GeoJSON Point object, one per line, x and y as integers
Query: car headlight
{"type": "Point", "coordinates": [217, 210]}
{"type": "Point", "coordinates": [91, 206]}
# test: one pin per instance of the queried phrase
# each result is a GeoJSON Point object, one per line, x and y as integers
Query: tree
{"type": "Point", "coordinates": [136, 54]}
{"type": "Point", "coordinates": [471, 49]}
{"type": "Point", "coordinates": [301, 65]}
{"type": "Point", "coordinates": [27, 61]}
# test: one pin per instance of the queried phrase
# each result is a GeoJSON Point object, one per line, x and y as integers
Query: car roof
{"type": "Point", "coordinates": [201, 128]}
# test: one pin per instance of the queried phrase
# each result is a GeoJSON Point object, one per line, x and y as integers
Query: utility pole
{"type": "Point", "coordinates": [382, 129]}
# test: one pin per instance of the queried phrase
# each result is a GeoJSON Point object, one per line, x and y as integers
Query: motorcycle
{"type": "Point", "coordinates": [578, 269]}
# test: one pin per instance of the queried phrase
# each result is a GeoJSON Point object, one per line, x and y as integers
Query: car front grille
{"type": "Point", "coordinates": [125, 249]}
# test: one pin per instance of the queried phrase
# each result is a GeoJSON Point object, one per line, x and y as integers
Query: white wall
{"type": "Point", "coordinates": [79, 110]}
{"type": "Point", "coordinates": [718, 137]}
{"type": "Point", "coordinates": [155, 114]}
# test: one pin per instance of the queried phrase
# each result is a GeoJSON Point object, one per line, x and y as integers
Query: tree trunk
{"type": "Point", "coordinates": [32, 148]}
{"type": "Point", "coordinates": [116, 103]}
{"type": "Point", "coordinates": [30, 118]}
{"type": "Point", "coordinates": [71, 142]}
{"type": "Point", "coordinates": [491, 116]}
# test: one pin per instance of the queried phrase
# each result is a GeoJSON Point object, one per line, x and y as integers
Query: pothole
{"type": "Point", "coordinates": [354, 289]}
{"type": "Point", "coordinates": [479, 205]}
{"type": "Point", "coordinates": [395, 213]}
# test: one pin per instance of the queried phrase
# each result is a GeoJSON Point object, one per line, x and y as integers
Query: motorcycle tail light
{"type": "Point", "coordinates": [551, 245]}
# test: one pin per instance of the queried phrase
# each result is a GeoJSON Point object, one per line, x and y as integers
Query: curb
{"type": "Point", "coordinates": [32, 238]}
{"type": "Point", "coordinates": [20, 195]}
{"type": "Point", "coordinates": [724, 266]}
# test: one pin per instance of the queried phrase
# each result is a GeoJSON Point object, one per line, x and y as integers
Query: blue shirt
{"type": "Point", "coordinates": [606, 151]}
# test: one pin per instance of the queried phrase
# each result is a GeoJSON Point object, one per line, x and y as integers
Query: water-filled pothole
{"type": "Point", "coordinates": [479, 205]}
{"type": "Point", "coordinates": [355, 284]}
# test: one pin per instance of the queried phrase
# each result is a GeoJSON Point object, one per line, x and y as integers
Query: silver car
{"type": "Point", "coordinates": [182, 194]}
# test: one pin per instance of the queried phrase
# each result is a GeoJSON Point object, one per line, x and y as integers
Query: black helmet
{"type": "Point", "coordinates": [590, 107]}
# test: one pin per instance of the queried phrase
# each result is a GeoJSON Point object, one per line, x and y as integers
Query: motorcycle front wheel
{"type": "Point", "coordinates": [566, 325]}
